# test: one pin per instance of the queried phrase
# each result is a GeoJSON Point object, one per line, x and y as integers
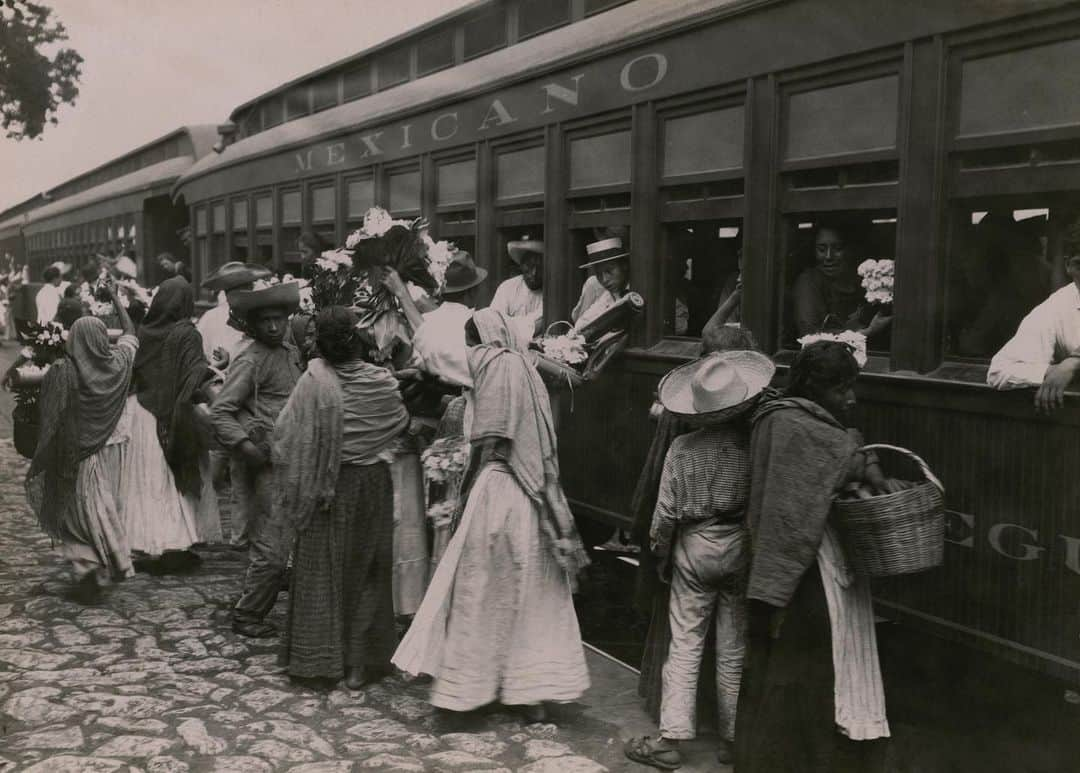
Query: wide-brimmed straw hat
{"type": "Point", "coordinates": [603, 251]}
{"type": "Point", "coordinates": [519, 248]}
{"type": "Point", "coordinates": [462, 274]}
{"type": "Point", "coordinates": [285, 295]}
{"type": "Point", "coordinates": [61, 266]}
{"type": "Point", "coordinates": [718, 387]}
{"type": "Point", "coordinates": [234, 274]}
{"type": "Point", "coordinates": [126, 267]}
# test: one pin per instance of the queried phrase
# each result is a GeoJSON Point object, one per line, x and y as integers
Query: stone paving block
{"type": "Point", "coordinates": [71, 763]}
{"type": "Point", "coordinates": [134, 746]}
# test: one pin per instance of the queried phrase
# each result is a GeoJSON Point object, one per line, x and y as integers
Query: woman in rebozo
{"type": "Point", "coordinates": [74, 480]}
{"type": "Point", "coordinates": [169, 498]}
{"type": "Point", "coordinates": [331, 454]}
{"type": "Point", "coordinates": [498, 620]}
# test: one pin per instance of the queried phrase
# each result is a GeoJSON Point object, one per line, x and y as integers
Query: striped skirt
{"type": "Point", "coordinates": [341, 607]}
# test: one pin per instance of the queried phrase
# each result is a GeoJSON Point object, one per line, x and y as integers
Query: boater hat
{"type": "Point", "coordinates": [285, 295]}
{"type": "Point", "coordinates": [718, 387]}
{"type": "Point", "coordinates": [126, 267]}
{"type": "Point", "coordinates": [234, 274]}
{"type": "Point", "coordinates": [462, 274]}
{"type": "Point", "coordinates": [603, 251]}
{"type": "Point", "coordinates": [520, 248]}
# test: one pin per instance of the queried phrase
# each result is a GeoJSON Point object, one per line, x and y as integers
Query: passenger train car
{"type": "Point", "coordinates": [717, 135]}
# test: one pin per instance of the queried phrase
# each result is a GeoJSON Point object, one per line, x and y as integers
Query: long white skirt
{"type": "Point", "coordinates": [498, 619]}
{"type": "Point", "coordinates": [156, 515]}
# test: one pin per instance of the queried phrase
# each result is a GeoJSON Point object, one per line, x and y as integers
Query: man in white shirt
{"type": "Point", "coordinates": [49, 296]}
{"type": "Point", "coordinates": [522, 297]}
{"type": "Point", "coordinates": [439, 340]}
{"type": "Point", "coordinates": [214, 326]}
{"type": "Point", "coordinates": [1045, 352]}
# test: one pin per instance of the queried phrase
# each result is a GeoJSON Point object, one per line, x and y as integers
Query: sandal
{"type": "Point", "coordinates": [644, 751]}
{"type": "Point", "coordinates": [254, 629]}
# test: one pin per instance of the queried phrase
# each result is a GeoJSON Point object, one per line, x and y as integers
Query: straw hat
{"type": "Point", "coordinates": [234, 274]}
{"type": "Point", "coordinates": [285, 295]}
{"type": "Point", "coordinates": [126, 267]}
{"type": "Point", "coordinates": [462, 274]}
{"type": "Point", "coordinates": [61, 266]}
{"type": "Point", "coordinates": [520, 248]}
{"type": "Point", "coordinates": [718, 387]}
{"type": "Point", "coordinates": [603, 251]}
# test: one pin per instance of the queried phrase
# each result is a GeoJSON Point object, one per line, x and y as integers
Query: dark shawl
{"type": "Point", "coordinates": [82, 399]}
{"type": "Point", "coordinates": [169, 369]}
{"type": "Point", "coordinates": [800, 455]}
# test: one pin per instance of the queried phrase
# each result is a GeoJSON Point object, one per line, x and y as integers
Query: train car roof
{"type": "Point", "coordinates": [621, 26]}
{"type": "Point", "coordinates": [160, 175]}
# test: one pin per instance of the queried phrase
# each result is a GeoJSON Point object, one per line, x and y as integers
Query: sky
{"type": "Point", "coordinates": [154, 65]}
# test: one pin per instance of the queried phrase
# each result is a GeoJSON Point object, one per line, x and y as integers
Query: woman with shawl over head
{"type": "Point", "coordinates": [812, 695]}
{"type": "Point", "coordinates": [73, 484]}
{"type": "Point", "coordinates": [498, 620]}
{"type": "Point", "coordinates": [331, 451]}
{"type": "Point", "coordinates": [169, 503]}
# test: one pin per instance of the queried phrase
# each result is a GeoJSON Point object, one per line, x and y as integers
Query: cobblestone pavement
{"type": "Point", "coordinates": [153, 679]}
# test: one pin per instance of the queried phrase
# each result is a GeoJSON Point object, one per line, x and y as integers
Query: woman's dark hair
{"type": "Point", "coordinates": [335, 334]}
{"type": "Point", "coordinates": [819, 366]}
{"type": "Point", "coordinates": [69, 310]}
{"type": "Point", "coordinates": [71, 291]}
{"type": "Point", "coordinates": [51, 273]}
{"type": "Point", "coordinates": [90, 272]}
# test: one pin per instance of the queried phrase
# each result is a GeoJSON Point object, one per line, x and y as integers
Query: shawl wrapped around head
{"type": "Point", "coordinates": [512, 403]}
{"type": "Point", "coordinates": [82, 399]}
{"type": "Point", "coordinates": [800, 456]}
{"type": "Point", "coordinates": [169, 368]}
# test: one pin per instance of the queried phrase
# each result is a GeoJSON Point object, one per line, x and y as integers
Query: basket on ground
{"type": "Point", "coordinates": [897, 533]}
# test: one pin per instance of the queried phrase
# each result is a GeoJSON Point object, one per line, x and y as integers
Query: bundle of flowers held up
{"type": "Point", "coordinates": [568, 348]}
{"type": "Point", "coordinates": [855, 341]}
{"type": "Point", "coordinates": [877, 280]}
{"type": "Point", "coordinates": [43, 344]}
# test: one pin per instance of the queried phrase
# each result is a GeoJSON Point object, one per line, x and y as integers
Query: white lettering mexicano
{"type": "Point", "coordinates": [638, 74]}
{"type": "Point", "coordinates": [1011, 540]}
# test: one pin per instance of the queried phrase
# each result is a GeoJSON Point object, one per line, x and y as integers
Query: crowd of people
{"type": "Point", "coordinates": [318, 444]}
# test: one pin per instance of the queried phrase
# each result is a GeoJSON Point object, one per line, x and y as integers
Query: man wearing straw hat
{"type": "Point", "coordinates": [255, 391]}
{"type": "Point", "coordinates": [219, 329]}
{"type": "Point", "coordinates": [521, 298]}
{"type": "Point", "coordinates": [698, 532]}
{"type": "Point", "coordinates": [610, 263]}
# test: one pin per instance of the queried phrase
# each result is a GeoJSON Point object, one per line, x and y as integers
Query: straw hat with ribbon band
{"type": "Point", "coordinates": [235, 274]}
{"type": "Point", "coordinates": [462, 274]}
{"type": "Point", "coordinates": [603, 251]}
{"type": "Point", "coordinates": [63, 267]}
{"type": "Point", "coordinates": [520, 248]}
{"type": "Point", "coordinates": [718, 387]}
{"type": "Point", "coordinates": [285, 295]}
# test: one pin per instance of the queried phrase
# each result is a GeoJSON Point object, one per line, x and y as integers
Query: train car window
{"type": "Point", "coordinates": [290, 208]}
{"type": "Point", "coordinates": [485, 32]}
{"type": "Point", "coordinates": [394, 67]}
{"type": "Point", "coordinates": [217, 240]}
{"type": "Point", "coordinates": [324, 92]}
{"type": "Point", "coordinates": [823, 290]}
{"type": "Point", "coordinates": [218, 219]}
{"type": "Point", "coordinates": [361, 197]}
{"type": "Point", "coordinates": [455, 183]}
{"type": "Point", "coordinates": [519, 173]}
{"type": "Point", "coordinates": [596, 6]}
{"type": "Point", "coordinates": [1012, 92]}
{"type": "Point", "coordinates": [704, 142]}
{"type": "Point", "coordinates": [264, 211]}
{"type": "Point", "coordinates": [200, 224]}
{"type": "Point", "coordinates": [357, 82]}
{"type": "Point", "coordinates": [240, 214]}
{"type": "Point", "coordinates": [297, 102]}
{"type": "Point", "coordinates": [289, 232]}
{"type": "Point", "coordinates": [700, 274]}
{"type": "Point", "coordinates": [603, 159]}
{"type": "Point", "coordinates": [536, 16]}
{"type": "Point", "coordinates": [850, 118]}
{"type": "Point", "coordinates": [271, 112]}
{"type": "Point", "coordinates": [323, 204]}
{"type": "Point", "coordinates": [404, 192]}
{"type": "Point", "coordinates": [1005, 258]}
{"type": "Point", "coordinates": [435, 52]}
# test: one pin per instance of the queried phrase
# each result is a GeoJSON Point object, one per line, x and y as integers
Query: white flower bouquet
{"type": "Point", "coordinates": [877, 280]}
{"type": "Point", "coordinates": [445, 459]}
{"type": "Point", "coordinates": [568, 348]}
{"type": "Point", "coordinates": [855, 341]}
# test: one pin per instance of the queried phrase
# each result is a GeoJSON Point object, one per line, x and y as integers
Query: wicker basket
{"type": "Point", "coordinates": [897, 533]}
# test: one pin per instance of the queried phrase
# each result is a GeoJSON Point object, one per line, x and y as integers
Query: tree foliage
{"type": "Point", "coordinates": [33, 85]}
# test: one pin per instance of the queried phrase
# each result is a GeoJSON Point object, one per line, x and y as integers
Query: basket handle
{"type": "Point", "coordinates": [569, 326]}
{"type": "Point", "coordinates": [923, 467]}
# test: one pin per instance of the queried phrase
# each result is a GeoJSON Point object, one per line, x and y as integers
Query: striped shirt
{"type": "Point", "coordinates": [706, 475]}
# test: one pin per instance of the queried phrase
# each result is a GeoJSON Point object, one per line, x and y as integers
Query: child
{"type": "Point", "coordinates": [698, 527]}
{"type": "Point", "coordinates": [259, 382]}
{"type": "Point", "coordinates": [811, 667]}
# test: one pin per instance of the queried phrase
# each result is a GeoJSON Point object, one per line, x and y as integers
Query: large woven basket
{"type": "Point", "coordinates": [897, 533]}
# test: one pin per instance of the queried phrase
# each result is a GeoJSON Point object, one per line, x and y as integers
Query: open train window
{"type": "Point", "coordinates": [289, 232]}
{"type": "Point", "coordinates": [360, 197]}
{"type": "Point", "coordinates": [324, 212]}
{"type": "Point", "coordinates": [700, 273]}
{"type": "Point", "coordinates": [823, 289]}
{"type": "Point", "coordinates": [241, 246]}
{"type": "Point", "coordinates": [404, 192]}
{"type": "Point", "coordinates": [1006, 255]}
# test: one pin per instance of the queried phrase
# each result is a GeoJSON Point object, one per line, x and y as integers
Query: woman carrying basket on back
{"type": "Point", "coordinates": [811, 682]}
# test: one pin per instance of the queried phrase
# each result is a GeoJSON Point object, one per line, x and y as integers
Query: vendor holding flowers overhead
{"type": "Point", "coordinates": [829, 297]}
{"type": "Point", "coordinates": [610, 281]}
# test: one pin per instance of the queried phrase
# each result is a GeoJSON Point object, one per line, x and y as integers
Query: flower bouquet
{"type": "Point", "coordinates": [877, 280]}
{"type": "Point", "coordinates": [854, 341]}
{"type": "Point", "coordinates": [43, 344]}
{"type": "Point", "coordinates": [444, 461]}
